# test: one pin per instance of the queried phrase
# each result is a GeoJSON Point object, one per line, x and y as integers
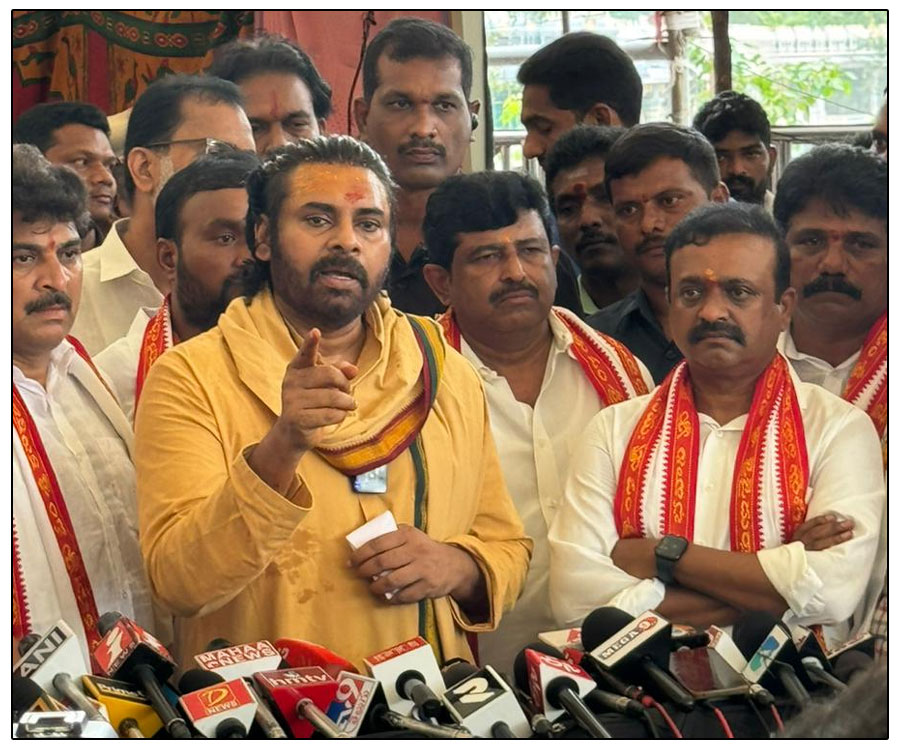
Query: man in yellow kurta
{"type": "Point", "coordinates": [253, 437]}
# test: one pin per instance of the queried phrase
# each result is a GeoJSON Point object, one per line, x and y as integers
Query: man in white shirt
{"type": "Point", "coordinates": [545, 372]}
{"type": "Point", "coordinates": [691, 501]}
{"type": "Point", "coordinates": [832, 204]}
{"type": "Point", "coordinates": [201, 244]}
{"type": "Point", "coordinates": [174, 120]}
{"type": "Point", "coordinates": [75, 544]}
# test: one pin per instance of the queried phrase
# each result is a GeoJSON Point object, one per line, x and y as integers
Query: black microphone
{"type": "Point", "coordinates": [131, 654]}
{"type": "Point", "coordinates": [412, 685]}
{"type": "Point", "coordinates": [851, 664]}
{"type": "Point", "coordinates": [28, 697]}
{"type": "Point", "coordinates": [217, 708]}
{"type": "Point", "coordinates": [619, 643]}
{"type": "Point", "coordinates": [556, 686]}
{"type": "Point", "coordinates": [769, 649]}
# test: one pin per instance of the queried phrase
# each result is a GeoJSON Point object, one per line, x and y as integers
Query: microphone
{"type": "Point", "coordinates": [556, 686]}
{"type": "Point", "coordinates": [767, 645]}
{"type": "Point", "coordinates": [302, 695]}
{"type": "Point", "coordinates": [65, 724]}
{"type": "Point", "coordinates": [218, 709]}
{"type": "Point", "coordinates": [243, 661]}
{"type": "Point", "coordinates": [26, 643]}
{"type": "Point", "coordinates": [642, 645]}
{"type": "Point", "coordinates": [481, 701]}
{"type": "Point", "coordinates": [128, 653]}
{"type": "Point", "coordinates": [238, 661]}
{"type": "Point", "coordinates": [410, 677]}
{"type": "Point", "coordinates": [128, 707]}
{"type": "Point", "coordinates": [301, 653]}
{"type": "Point", "coordinates": [28, 697]}
{"type": "Point", "coordinates": [71, 692]}
{"type": "Point", "coordinates": [55, 652]}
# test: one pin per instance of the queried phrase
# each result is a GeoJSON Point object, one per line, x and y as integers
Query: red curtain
{"type": "Point", "coordinates": [333, 40]}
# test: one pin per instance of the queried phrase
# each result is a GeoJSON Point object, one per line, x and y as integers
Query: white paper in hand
{"type": "Point", "coordinates": [379, 525]}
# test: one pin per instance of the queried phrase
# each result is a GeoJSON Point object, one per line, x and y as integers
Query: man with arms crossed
{"type": "Point", "coordinates": [691, 501]}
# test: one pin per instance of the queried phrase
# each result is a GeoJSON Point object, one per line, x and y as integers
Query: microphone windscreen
{"type": "Point", "coordinates": [197, 678]}
{"type": "Point", "coordinates": [519, 670]}
{"type": "Point", "coordinates": [218, 643]}
{"type": "Point", "coordinates": [25, 693]}
{"type": "Point", "coordinates": [303, 654]}
{"type": "Point", "coordinates": [750, 631]}
{"type": "Point", "coordinates": [26, 643]}
{"type": "Point", "coordinates": [105, 623]}
{"type": "Point", "coordinates": [456, 672]}
{"type": "Point", "coordinates": [599, 625]}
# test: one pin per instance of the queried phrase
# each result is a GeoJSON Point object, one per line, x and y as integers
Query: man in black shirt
{"type": "Point", "coordinates": [655, 175]}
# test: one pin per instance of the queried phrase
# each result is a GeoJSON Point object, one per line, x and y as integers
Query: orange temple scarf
{"type": "Point", "coordinates": [609, 366]}
{"type": "Point", "coordinates": [867, 387]}
{"type": "Point", "coordinates": [771, 466]}
{"type": "Point", "coordinates": [60, 522]}
{"type": "Point", "coordinates": [158, 338]}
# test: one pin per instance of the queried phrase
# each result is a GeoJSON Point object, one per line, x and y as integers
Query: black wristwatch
{"type": "Point", "coordinates": [668, 551]}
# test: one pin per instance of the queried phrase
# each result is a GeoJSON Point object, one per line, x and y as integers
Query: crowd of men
{"type": "Point", "coordinates": [660, 383]}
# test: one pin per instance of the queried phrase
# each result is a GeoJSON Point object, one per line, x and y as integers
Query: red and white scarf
{"type": "Point", "coordinates": [867, 386]}
{"type": "Point", "coordinates": [608, 365]}
{"type": "Point", "coordinates": [158, 338]}
{"type": "Point", "coordinates": [61, 524]}
{"type": "Point", "coordinates": [771, 469]}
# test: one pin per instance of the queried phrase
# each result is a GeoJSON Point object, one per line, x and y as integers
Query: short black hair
{"type": "Point", "coordinates": [267, 187]}
{"type": "Point", "coordinates": [41, 190]}
{"type": "Point", "coordinates": [731, 111]}
{"type": "Point", "coordinates": [845, 177]}
{"type": "Point", "coordinates": [710, 221]}
{"type": "Point", "coordinates": [157, 113]}
{"type": "Point", "coordinates": [583, 68]}
{"type": "Point", "coordinates": [644, 144]}
{"type": "Point", "coordinates": [216, 171]}
{"type": "Point", "coordinates": [407, 38]}
{"type": "Point", "coordinates": [38, 124]}
{"type": "Point", "coordinates": [475, 203]}
{"type": "Point", "coordinates": [573, 147]}
{"type": "Point", "coordinates": [242, 59]}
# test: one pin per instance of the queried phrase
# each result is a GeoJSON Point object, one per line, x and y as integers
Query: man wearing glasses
{"type": "Point", "coordinates": [76, 134]}
{"type": "Point", "coordinates": [176, 119]}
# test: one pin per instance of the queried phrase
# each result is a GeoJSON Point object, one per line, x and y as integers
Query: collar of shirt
{"type": "Point", "coordinates": [561, 343]}
{"type": "Point", "coordinates": [787, 348]}
{"type": "Point", "coordinates": [586, 301]}
{"type": "Point", "coordinates": [398, 267]}
{"type": "Point", "coordinates": [60, 359]}
{"type": "Point", "coordinates": [115, 259]}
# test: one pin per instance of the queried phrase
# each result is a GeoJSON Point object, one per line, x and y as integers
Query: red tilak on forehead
{"type": "Point", "coordinates": [580, 189]}
{"type": "Point", "coordinates": [274, 105]}
{"type": "Point", "coordinates": [354, 196]}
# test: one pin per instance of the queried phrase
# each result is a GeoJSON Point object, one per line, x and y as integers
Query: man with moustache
{"type": "Point", "coordinates": [544, 371]}
{"type": "Point", "coordinates": [832, 204]}
{"type": "Point", "coordinates": [174, 120]}
{"type": "Point", "coordinates": [694, 501]}
{"type": "Point", "coordinates": [656, 173]}
{"type": "Point", "coordinates": [286, 99]}
{"type": "Point", "coordinates": [311, 408]}
{"type": "Point", "coordinates": [76, 134]}
{"type": "Point", "coordinates": [74, 544]}
{"type": "Point", "coordinates": [200, 221]}
{"type": "Point", "coordinates": [738, 128]}
{"type": "Point", "coordinates": [576, 186]}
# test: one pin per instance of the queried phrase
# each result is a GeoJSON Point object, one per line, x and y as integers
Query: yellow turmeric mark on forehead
{"type": "Point", "coordinates": [709, 275]}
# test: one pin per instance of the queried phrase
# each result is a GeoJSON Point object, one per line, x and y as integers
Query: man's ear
{"type": "Point", "coordinates": [773, 155]}
{"type": "Point", "coordinates": [786, 305]}
{"type": "Point", "coordinates": [167, 257]}
{"type": "Point", "coordinates": [601, 114]}
{"type": "Point", "coordinates": [440, 281]}
{"type": "Point", "coordinates": [554, 252]}
{"type": "Point", "coordinates": [143, 164]}
{"type": "Point", "coordinates": [321, 126]}
{"type": "Point", "coordinates": [362, 110]}
{"type": "Point", "coordinates": [262, 250]}
{"type": "Point", "coordinates": [720, 194]}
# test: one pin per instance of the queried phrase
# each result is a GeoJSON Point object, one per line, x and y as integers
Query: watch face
{"type": "Point", "coordinates": [671, 547]}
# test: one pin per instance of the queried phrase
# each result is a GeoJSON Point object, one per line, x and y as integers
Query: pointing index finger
{"type": "Point", "coordinates": [308, 354]}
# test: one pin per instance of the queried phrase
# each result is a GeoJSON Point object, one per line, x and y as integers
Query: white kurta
{"type": "Point", "coordinates": [821, 587]}
{"type": "Point", "coordinates": [535, 445]}
{"type": "Point", "coordinates": [119, 361]}
{"type": "Point", "coordinates": [88, 442]}
{"type": "Point", "coordinates": [114, 288]}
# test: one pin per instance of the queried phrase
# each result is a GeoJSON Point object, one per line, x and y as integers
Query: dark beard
{"type": "Point", "coordinates": [201, 310]}
{"type": "Point", "coordinates": [328, 309]}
